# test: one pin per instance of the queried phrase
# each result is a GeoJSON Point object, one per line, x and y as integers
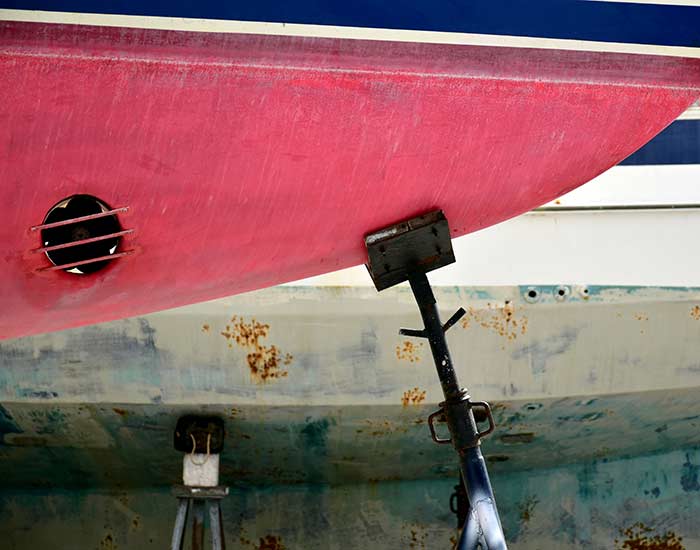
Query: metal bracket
{"type": "Point", "coordinates": [452, 321]}
{"type": "Point", "coordinates": [433, 432]}
{"type": "Point", "coordinates": [483, 405]}
{"type": "Point", "coordinates": [489, 416]}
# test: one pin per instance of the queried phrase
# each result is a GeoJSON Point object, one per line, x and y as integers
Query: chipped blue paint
{"type": "Point", "coordinates": [32, 370]}
{"type": "Point", "coordinates": [540, 352]}
{"type": "Point", "coordinates": [690, 476]}
{"type": "Point", "coordinates": [36, 394]}
{"type": "Point", "coordinates": [315, 434]}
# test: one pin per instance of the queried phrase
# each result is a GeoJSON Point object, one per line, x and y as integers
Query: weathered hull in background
{"type": "Point", "coordinates": [595, 398]}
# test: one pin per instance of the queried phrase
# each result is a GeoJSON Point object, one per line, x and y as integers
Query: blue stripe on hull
{"type": "Point", "coordinates": [664, 25]}
{"type": "Point", "coordinates": [677, 144]}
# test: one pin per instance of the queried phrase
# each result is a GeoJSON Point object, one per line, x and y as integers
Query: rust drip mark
{"type": "Point", "coordinates": [120, 412]}
{"type": "Point", "coordinates": [409, 351]}
{"type": "Point", "coordinates": [413, 397]}
{"type": "Point", "coordinates": [108, 543]}
{"type": "Point", "coordinates": [641, 537]}
{"type": "Point", "coordinates": [418, 537]}
{"type": "Point", "coordinates": [517, 438]}
{"type": "Point", "coordinates": [383, 479]}
{"type": "Point", "coordinates": [527, 508]}
{"type": "Point", "coordinates": [265, 362]}
{"type": "Point", "coordinates": [379, 428]}
{"type": "Point", "coordinates": [205, 327]}
{"type": "Point", "coordinates": [268, 542]}
{"type": "Point", "coordinates": [497, 458]}
{"type": "Point", "coordinates": [695, 313]}
{"type": "Point", "coordinates": [502, 320]}
{"type": "Point", "coordinates": [641, 317]}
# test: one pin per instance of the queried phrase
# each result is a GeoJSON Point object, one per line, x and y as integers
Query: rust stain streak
{"type": "Point", "coordinates": [418, 537]}
{"type": "Point", "coordinates": [527, 508]}
{"type": "Point", "coordinates": [380, 428]}
{"type": "Point", "coordinates": [409, 351]}
{"type": "Point", "coordinates": [413, 397]}
{"type": "Point", "coordinates": [265, 362]}
{"type": "Point", "coordinates": [502, 320]}
{"type": "Point", "coordinates": [641, 537]}
{"type": "Point", "coordinates": [268, 542]}
{"type": "Point", "coordinates": [695, 313]}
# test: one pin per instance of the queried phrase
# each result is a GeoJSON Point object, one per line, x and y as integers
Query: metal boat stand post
{"type": "Point", "coordinates": [406, 252]}
{"type": "Point", "coordinates": [201, 438]}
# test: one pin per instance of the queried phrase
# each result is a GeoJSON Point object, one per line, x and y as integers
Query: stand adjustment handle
{"type": "Point", "coordinates": [489, 415]}
{"type": "Point", "coordinates": [433, 433]}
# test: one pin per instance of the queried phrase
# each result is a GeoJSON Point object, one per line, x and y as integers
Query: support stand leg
{"type": "Point", "coordinates": [457, 410]}
{"type": "Point", "coordinates": [198, 525]}
{"type": "Point", "coordinates": [180, 523]}
{"type": "Point", "coordinates": [216, 525]}
{"type": "Point", "coordinates": [407, 251]}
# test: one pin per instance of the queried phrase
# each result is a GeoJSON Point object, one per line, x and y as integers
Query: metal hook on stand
{"type": "Point", "coordinates": [406, 252]}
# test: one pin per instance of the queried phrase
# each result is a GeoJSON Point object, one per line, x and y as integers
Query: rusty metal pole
{"type": "Point", "coordinates": [406, 251]}
{"type": "Point", "coordinates": [457, 409]}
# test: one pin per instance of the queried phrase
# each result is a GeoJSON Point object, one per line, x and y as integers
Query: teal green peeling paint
{"type": "Point", "coordinates": [7, 425]}
{"type": "Point", "coordinates": [690, 476]}
{"type": "Point", "coordinates": [315, 434]}
{"type": "Point", "coordinates": [49, 421]}
{"type": "Point", "coordinates": [97, 445]}
{"type": "Point", "coordinates": [569, 507]}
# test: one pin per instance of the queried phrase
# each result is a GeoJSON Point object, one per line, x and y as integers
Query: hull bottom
{"type": "Point", "coordinates": [598, 505]}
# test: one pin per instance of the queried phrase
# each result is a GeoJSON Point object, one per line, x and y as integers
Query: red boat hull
{"type": "Point", "coordinates": [247, 161]}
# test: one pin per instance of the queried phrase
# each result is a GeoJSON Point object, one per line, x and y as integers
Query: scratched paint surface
{"type": "Point", "coordinates": [250, 160]}
{"type": "Point", "coordinates": [595, 403]}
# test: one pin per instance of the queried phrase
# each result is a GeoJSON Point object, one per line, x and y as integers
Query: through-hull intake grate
{"type": "Point", "coordinates": [81, 235]}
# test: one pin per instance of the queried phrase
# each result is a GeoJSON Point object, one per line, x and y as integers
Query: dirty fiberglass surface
{"type": "Point", "coordinates": [595, 398]}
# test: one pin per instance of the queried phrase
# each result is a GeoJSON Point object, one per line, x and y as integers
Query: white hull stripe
{"type": "Point", "coordinates": [329, 31]}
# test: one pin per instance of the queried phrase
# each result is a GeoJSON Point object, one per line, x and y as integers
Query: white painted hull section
{"type": "Point", "coordinates": [340, 346]}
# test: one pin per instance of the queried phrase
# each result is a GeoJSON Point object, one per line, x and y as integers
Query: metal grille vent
{"type": "Point", "coordinates": [81, 235]}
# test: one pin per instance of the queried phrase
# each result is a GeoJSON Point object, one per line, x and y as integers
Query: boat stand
{"type": "Point", "coordinates": [202, 440]}
{"type": "Point", "coordinates": [406, 252]}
